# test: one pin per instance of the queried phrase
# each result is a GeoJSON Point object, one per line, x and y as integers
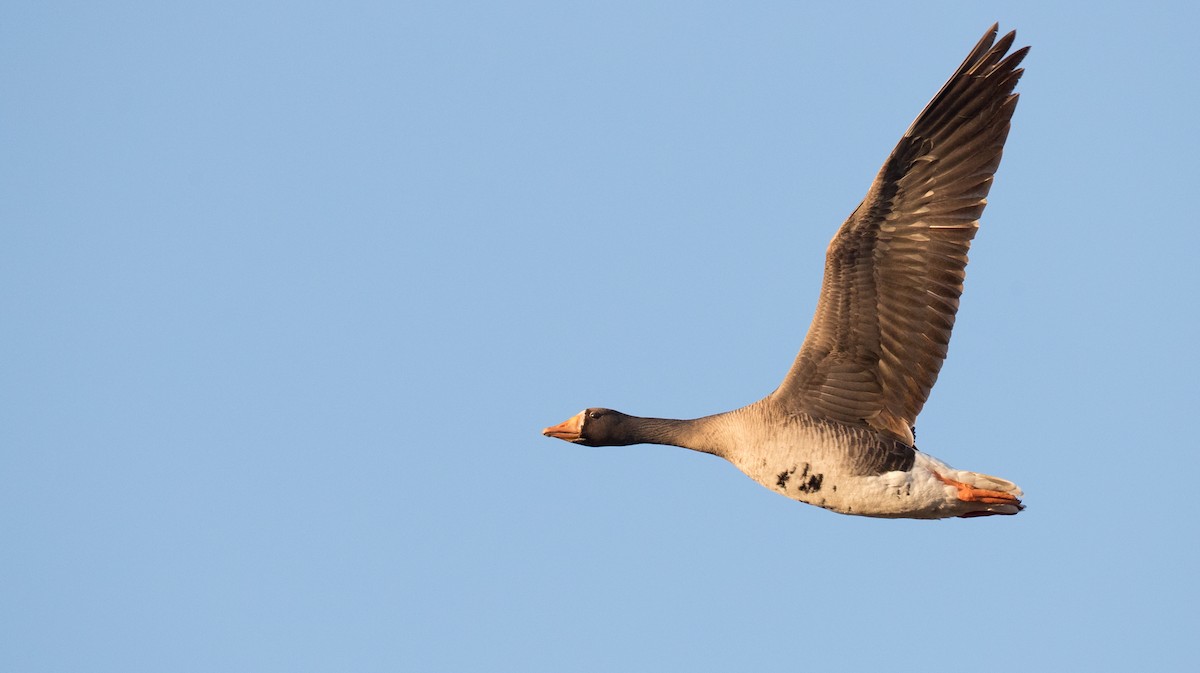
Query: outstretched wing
{"type": "Point", "coordinates": [894, 271]}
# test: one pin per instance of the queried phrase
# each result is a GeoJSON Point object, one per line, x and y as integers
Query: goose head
{"type": "Point", "coordinates": [597, 427]}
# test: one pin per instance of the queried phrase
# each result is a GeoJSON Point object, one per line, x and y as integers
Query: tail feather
{"type": "Point", "coordinates": [995, 483]}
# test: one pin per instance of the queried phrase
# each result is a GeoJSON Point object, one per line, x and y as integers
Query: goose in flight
{"type": "Point", "coordinates": [838, 432]}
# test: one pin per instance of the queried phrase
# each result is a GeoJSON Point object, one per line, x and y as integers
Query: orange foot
{"type": "Point", "coordinates": [969, 493]}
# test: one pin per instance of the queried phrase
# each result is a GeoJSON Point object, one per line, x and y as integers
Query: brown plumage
{"type": "Point", "coordinates": [894, 271]}
{"type": "Point", "coordinates": [837, 433]}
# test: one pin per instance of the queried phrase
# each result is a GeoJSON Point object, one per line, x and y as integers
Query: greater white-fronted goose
{"type": "Point", "coordinates": [838, 432]}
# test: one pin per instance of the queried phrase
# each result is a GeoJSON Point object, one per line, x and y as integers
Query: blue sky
{"type": "Point", "coordinates": [289, 290]}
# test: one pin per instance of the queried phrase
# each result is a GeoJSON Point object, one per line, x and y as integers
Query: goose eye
{"type": "Point", "coordinates": [593, 414]}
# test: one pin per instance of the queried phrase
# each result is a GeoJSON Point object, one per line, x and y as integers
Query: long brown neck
{"type": "Point", "coordinates": [698, 434]}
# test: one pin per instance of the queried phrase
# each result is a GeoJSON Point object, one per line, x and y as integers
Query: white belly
{"type": "Point", "coordinates": [812, 465]}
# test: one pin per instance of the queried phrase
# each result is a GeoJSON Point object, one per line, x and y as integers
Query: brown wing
{"type": "Point", "coordinates": [894, 271]}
